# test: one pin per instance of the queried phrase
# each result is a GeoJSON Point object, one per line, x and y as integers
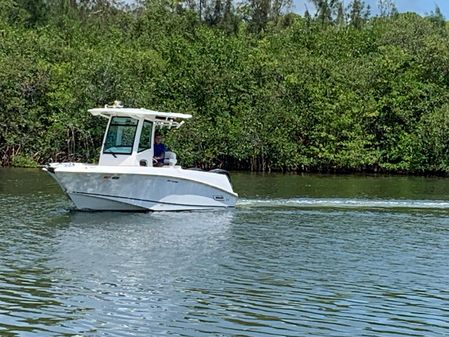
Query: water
{"type": "Point", "coordinates": [300, 255]}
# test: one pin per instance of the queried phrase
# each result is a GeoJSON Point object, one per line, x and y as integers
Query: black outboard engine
{"type": "Point", "coordinates": [221, 171]}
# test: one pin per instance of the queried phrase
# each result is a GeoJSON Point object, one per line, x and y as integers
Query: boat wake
{"type": "Point", "coordinates": [345, 203]}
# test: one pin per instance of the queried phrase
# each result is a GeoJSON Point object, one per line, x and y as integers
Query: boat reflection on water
{"type": "Point", "coordinates": [141, 243]}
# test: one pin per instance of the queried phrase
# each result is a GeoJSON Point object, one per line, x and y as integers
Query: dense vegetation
{"type": "Point", "coordinates": [335, 89]}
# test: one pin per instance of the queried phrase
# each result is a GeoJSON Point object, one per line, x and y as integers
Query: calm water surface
{"type": "Point", "coordinates": [300, 255]}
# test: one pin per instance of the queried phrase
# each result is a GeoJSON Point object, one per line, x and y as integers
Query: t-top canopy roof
{"type": "Point", "coordinates": [137, 113]}
{"type": "Point", "coordinates": [166, 119]}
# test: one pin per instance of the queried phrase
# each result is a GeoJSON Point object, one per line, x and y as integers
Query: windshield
{"type": "Point", "coordinates": [120, 136]}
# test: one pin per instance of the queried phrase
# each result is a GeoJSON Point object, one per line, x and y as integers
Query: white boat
{"type": "Point", "coordinates": [125, 178]}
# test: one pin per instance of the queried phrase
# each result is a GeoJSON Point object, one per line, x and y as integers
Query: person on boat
{"type": "Point", "coordinates": [159, 151]}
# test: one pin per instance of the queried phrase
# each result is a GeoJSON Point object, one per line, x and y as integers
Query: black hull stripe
{"type": "Point", "coordinates": [146, 200]}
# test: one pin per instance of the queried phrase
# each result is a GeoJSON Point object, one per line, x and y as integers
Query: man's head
{"type": "Point", "coordinates": [158, 139]}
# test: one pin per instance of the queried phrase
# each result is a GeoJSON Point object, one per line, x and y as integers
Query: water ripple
{"type": "Point", "coordinates": [271, 267]}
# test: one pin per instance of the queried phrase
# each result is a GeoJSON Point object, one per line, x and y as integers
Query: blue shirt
{"type": "Point", "coordinates": [159, 149]}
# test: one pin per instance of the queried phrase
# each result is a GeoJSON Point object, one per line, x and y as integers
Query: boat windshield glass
{"type": "Point", "coordinates": [120, 137]}
{"type": "Point", "coordinates": [145, 136]}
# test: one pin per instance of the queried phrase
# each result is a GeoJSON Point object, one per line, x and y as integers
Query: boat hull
{"type": "Point", "coordinates": [99, 188]}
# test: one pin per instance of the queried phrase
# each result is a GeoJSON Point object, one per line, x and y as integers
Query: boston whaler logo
{"type": "Point", "coordinates": [172, 181]}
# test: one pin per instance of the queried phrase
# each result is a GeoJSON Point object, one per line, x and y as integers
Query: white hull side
{"type": "Point", "coordinates": [154, 189]}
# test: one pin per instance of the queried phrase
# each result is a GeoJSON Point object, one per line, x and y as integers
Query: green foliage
{"type": "Point", "coordinates": [432, 142]}
{"type": "Point", "coordinates": [23, 161]}
{"type": "Point", "coordinates": [268, 90]}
